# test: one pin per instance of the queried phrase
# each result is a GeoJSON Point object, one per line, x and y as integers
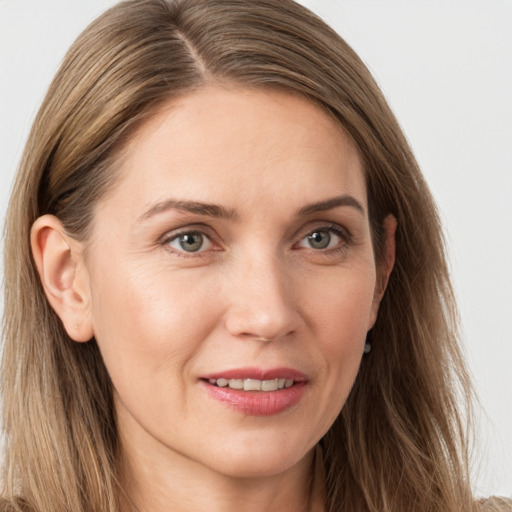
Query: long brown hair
{"type": "Point", "coordinates": [400, 440]}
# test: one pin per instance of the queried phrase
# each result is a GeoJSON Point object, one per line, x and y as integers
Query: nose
{"type": "Point", "coordinates": [262, 303]}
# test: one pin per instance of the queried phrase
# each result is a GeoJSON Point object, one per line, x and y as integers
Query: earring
{"type": "Point", "coordinates": [368, 343]}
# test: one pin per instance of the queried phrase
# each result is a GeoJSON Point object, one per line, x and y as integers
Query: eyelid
{"type": "Point", "coordinates": [205, 242]}
{"type": "Point", "coordinates": [200, 229]}
{"type": "Point", "coordinates": [206, 231]}
{"type": "Point", "coordinates": [338, 229]}
{"type": "Point", "coordinates": [346, 238]}
{"type": "Point", "coordinates": [195, 227]}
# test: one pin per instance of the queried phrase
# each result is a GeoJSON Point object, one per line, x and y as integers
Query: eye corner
{"type": "Point", "coordinates": [326, 237]}
{"type": "Point", "coordinates": [189, 243]}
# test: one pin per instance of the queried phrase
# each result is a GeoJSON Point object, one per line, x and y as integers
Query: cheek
{"type": "Point", "coordinates": [341, 304]}
{"type": "Point", "coordinates": [339, 311]}
{"type": "Point", "coordinates": [149, 322]}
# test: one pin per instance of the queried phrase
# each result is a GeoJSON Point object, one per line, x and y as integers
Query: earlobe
{"type": "Point", "coordinates": [386, 267]}
{"type": "Point", "coordinates": [63, 275]}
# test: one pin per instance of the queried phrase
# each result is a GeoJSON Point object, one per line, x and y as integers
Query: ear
{"type": "Point", "coordinates": [64, 277]}
{"type": "Point", "coordinates": [385, 268]}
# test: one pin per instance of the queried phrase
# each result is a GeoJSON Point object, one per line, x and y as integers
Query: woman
{"type": "Point", "coordinates": [225, 279]}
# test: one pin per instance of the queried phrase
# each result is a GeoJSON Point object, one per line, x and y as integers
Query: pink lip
{"type": "Point", "coordinates": [258, 403]}
{"type": "Point", "coordinates": [259, 374]}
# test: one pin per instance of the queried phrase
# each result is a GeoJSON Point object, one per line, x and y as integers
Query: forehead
{"type": "Point", "coordinates": [244, 146]}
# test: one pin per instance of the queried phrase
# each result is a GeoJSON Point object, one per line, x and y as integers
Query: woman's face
{"type": "Point", "coordinates": [234, 251]}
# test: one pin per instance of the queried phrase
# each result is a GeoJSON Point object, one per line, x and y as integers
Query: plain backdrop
{"type": "Point", "coordinates": [446, 69]}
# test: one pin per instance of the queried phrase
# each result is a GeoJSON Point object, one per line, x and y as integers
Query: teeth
{"type": "Point", "coordinates": [236, 383]}
{"type": "Point", "coordinates": [222, 383]}
{"type": "Point", "coordinates": [253, 384]}
{"type": "Point", "coordinates": [269, 385]}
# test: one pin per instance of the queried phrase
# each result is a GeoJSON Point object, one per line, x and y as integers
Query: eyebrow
{"type": "Point", "coordinates": [220, 212]}
{"type": "Point", "coordinates": [329, 204]}
{"type": "Point", "coordinates": [210, 210]}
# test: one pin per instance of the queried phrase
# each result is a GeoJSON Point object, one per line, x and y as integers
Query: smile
{"type": "Point", "coordinates": [257, 391]}
{"type": "Point", "coordinates": [253, 384]}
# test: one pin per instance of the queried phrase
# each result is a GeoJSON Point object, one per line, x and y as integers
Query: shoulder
{"type": "Point", "coordinates": [493, 504]}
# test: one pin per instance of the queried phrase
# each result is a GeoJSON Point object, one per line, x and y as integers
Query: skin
{"type": "Point", "coordinates": [257, 293]}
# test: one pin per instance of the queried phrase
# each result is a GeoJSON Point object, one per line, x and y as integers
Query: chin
{"type": "Point", "coordinates": [259, 458]}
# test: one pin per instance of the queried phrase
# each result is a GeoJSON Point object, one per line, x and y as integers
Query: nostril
{"type": "Point", "coordinates": [261, 338]}
{"type": "Point", "coordinates": [264, 318]}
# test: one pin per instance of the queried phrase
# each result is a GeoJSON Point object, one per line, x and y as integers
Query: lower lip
{"type": "Point", "coordinates": [258, 403]}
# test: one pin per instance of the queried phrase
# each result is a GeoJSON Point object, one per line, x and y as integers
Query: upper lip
{"type": "Point", "coordinates": [258, 374]}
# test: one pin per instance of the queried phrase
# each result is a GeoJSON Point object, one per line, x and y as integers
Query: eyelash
{"type": "Point", "coordinates": [340, 232]}
{"type": "Point", "coordinates": [166, 241]}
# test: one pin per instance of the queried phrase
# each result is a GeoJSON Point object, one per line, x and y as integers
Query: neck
{"type": "Point", "coordinates": [179, 484]}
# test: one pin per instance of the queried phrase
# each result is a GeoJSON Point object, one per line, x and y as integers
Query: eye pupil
{"type": "Point", "coordinates": [191, 242]}
{"type": "Point", "coordinates": [319, 239]}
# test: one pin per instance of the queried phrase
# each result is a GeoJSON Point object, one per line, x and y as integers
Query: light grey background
{"type": "Point", "coordinates": [446, 68]}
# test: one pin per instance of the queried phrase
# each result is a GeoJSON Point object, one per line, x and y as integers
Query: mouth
{"type": "Point", "coordinates": [257, 392]}
{"type": "Point", "coordinates": [253, 384]}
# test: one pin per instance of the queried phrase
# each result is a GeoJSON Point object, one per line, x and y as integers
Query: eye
{"type": "Point", "coordinates": [191, 241]}
{"type": "Point", "coordinates": [321, 239]}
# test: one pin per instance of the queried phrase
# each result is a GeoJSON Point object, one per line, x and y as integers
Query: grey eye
{"type": "Point", "coordinates": [319, 239]}
{"type": "Point", "coordinates": [190, 242]}
{"type": "Point", "coordinates": [324, 238]}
